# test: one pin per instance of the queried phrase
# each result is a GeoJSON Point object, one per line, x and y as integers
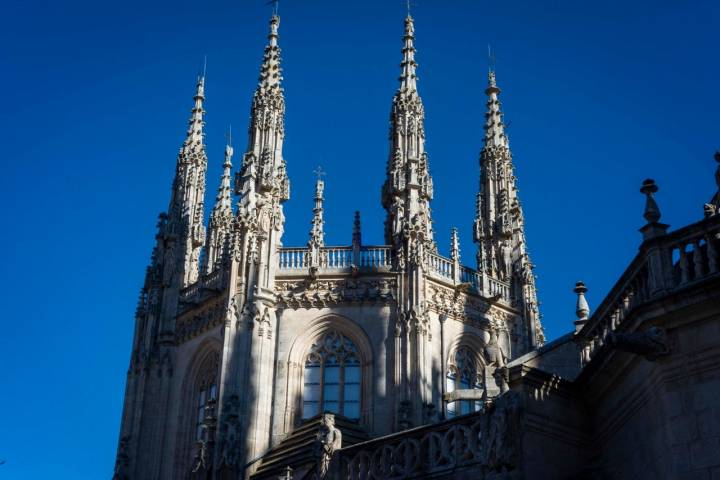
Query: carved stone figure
{"type": "Point", "coordinates": [328, 440]}
{"type": "Point", "coordinates": [496, 361]}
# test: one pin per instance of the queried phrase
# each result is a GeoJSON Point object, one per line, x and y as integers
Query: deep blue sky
{"type": "Point", "coordinates": [600, 95]}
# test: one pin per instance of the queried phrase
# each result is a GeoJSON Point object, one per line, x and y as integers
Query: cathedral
{"type": "Point", "coordinates": [252, 359]}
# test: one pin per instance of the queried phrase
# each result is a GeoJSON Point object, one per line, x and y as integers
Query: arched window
{"type": "Point", "coordinates": [205, 393]}
{"type": "Point", "coordinates": [332, 377]}
{"type": "Point", "coordinates": [463, 373]}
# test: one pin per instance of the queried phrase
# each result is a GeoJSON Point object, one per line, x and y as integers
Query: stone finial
{"type": "Point", "coordinates": [356, 233]}
{"type": "Point", "coordinates": [454, 245]}
{"type": "Point", "coordinates": [317, 233]}
{"type": "Point", "coordinates": [582, 309]}
{"type": "Point", "coordinates": [652, 212]}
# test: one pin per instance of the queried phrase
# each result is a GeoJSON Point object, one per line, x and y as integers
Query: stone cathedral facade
{"type": "Point", "coordinates": [255, 359]}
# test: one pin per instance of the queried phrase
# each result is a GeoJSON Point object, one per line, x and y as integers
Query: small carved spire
{"type": "Point", "coordinates": [270, 71]}
{"type": "Point", "coordinates": [455, 254]}
{"type": "Point", "coordinates": [195, 135]}
{"type": "Point", "coordinates": [652, 212]}
{"type": "Point", "coordinates": [582, 309]}
{"type": "Point", "coordinates": [223, 200]}
{"type": "Point", "coordinates": [408, 77]}
{"type": "Point", "coordinates": [317, 234]}
{"type": "Point", "coordinates": [356, 233]}
{"type": "Point", "coordinates": [494, 126]}
{"type": "Point", "coordinates": [454, 245]}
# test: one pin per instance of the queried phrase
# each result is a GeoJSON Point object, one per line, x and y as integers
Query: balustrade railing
{"type": "Point", "coordinates": [667, 263]}
{"type": "Point", "coordinates": [473, 277]}
{"type": "Point", "coordinates": [375, 257]}
{"type": "Point", "coordinates": [293, 258]}
{"type": "Point", "coordinates": [380, 257]}
{"type": "Point", "coordinates": [473, 443]}
{"type": "Point", "coordinates": [210, 281]}
{"type": "Point", "coordinates": [371, 257]}
{"type": "Point", "coordinates": [412, 456]}
{"type": "Point", "coordinates": [441, 266]}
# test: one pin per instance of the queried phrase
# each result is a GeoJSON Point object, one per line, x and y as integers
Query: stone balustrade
{"type": "Point", "coordinates": [211, 281]}
{"type": "Point", "coordinates": [665, 264]}
{"type": "Point", "coordinates": [336, 258]}
{"type": "Point", "coordinates": [481, 443]}
{"type": "Point", "coordinates": [440, 266]}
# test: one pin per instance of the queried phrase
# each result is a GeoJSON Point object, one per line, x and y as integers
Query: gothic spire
{"type": "Point", "coordinates": [221, 216]}
{"type": "Point", "coordinates": [186, 211]}
{"type": "Point", "coordinates": [408, 187]}
{"type": "Point", "coordinates": [499, 228]}
{"type": "Point", "coordinates": [263, 170]}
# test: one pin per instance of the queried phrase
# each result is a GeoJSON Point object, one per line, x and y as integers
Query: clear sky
{"type": "Point", "coordinates": [599, 96]}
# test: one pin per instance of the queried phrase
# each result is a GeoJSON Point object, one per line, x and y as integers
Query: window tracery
{"type": "Point", "coordinates": [332, 377]}
{"type": "Point", "coordinates": [464, 373]}
{"type": "Point", "coordinates": [205, 394]}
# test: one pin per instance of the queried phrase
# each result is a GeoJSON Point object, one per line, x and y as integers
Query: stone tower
{"type": "Point", "coordinates": [242, 343]}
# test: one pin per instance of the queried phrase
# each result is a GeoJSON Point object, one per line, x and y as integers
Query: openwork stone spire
{"type": "Point", "coordinates": [408, 188]}
{"type": "Point", "coordinates": [263, 173]}
{"type": "Point", "coordinates": [221, 216]}
{"type": "Point", "coordinates": [186, 210]}
{"type": "Point", "coordinates": [499, 228]}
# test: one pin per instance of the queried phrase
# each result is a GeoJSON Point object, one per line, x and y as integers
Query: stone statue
{"type": "Point", "coordinates": [328, 439]}
{"type": "Point", "coordinates": [496, 360]}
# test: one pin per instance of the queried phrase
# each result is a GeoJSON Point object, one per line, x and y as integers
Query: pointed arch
{"type": "Point", "coordinates": [352, 341]}
{"type": "Point", "coordinates": [464, 369]}
{"type": "Point", "coordinates": [201, 379]}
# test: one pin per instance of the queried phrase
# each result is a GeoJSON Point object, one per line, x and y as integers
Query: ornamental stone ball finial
{"type": "Point", "coordinates": [582, 309]}
{"type": "Point", "coordinates": [652, 211]}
